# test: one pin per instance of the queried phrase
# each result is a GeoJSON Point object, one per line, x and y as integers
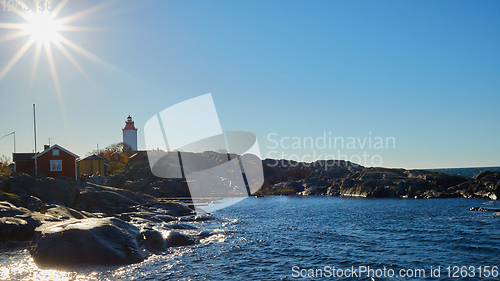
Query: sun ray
{"type": "Point", "coordinates": [52, 66]}
{"type": "Point", "coordinates": [17, 56]}
{"type": "Point", "coordinates": [12, 36]}
{"type": "Point", "coordinates": [9, 25]}
{"type": "Point", "coordinates": [34, 67]}
{"type": "Point", "coordinates": [89, 55]}
{"type": "Point", "coordinates": [58, 9]}
{"type": "Point", "coordinates": [82, 28]}
{"type": "Point", "coordinates": [86, 12]}
{"type": "Point", "coordinates": [73, 61]}
{"type": "Point", "coordinates": [55, 78]}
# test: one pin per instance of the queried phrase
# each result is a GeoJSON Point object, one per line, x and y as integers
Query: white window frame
{"type": "Point", "coordinates": [55, 152]}
{"type": "Point", "coordinates": [54, 167]}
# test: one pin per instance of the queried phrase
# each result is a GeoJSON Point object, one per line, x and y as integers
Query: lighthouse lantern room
{"type": "Point", "coordinates": [130, 133]}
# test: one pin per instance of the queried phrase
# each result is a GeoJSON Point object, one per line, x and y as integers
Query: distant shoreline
{"type": "Point", "coordinates": [467, 172]}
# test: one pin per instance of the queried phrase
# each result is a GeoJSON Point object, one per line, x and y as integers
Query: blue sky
{"type": "Point", "coordinates": [423, 72]}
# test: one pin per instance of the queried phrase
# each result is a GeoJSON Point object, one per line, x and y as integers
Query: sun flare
{"type": "Point", "coordinates": [42, 27]}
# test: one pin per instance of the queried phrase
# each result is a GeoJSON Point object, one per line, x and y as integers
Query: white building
{"type": "Point", "coordinates": [130, 133]}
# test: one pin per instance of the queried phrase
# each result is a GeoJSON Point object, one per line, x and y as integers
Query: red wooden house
{"type": "Point", "coordinates": [54, 161]}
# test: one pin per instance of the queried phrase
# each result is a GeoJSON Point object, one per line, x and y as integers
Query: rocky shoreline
{"type": "Point", "coordinates": [343, 178]}
{"type": "Point", "coordinates": [333, 177]}
{"type": "Point", "coordinates": [65, 223]}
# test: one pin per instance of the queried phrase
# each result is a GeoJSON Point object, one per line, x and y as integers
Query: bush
{"type": "Point", "coordinates": [5, 169]}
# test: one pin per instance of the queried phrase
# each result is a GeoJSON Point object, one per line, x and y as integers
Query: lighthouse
{"type": "Point", "coordinates": [130, 133]}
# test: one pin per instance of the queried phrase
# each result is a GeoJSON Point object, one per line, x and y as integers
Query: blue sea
{"type": "Point", "coordinates": [314, 238]}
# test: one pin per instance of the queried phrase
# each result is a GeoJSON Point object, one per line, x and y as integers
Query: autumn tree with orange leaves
{"type": "Point", "coordinates": [116, 155]}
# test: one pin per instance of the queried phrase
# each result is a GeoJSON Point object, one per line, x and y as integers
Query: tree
{"type": "Point", "coordinates": [5, 170]}
{"type": "Point", "coordinates": [116, 167]}
{"type": "Point", "coordinates": [111, 149]}
{"type": "Point", "coordinates": [5, 161]}
{"type": "Point", "coordinates": [116, 155]}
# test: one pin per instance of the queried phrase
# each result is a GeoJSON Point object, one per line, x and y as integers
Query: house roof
{"type": "Point", "coordinates": [22, 156]}
{"type": "Point", "coordinates": [92, 157]}
{"type": "Point", "coordinates": [56, 146]}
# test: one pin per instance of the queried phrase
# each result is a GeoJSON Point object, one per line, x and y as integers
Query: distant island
{"type": "Point", "coordinates": [468, 172]}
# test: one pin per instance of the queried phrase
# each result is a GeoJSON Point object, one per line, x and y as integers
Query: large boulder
{"type": "Point", "coordinates": [18, 223]}
{"type": "Point", "coordinates": [18, 184]}
{"type": "Point", "coordinates": [29, 190]}
{"type": "Point", "coordinates": [153, 240]}
{"type": "Point", "coordinates": [62, 212]}
{"type": "Point", "coordinates": [174, 238]}
{"type": "Point", "coordinates": [102, 241]}
{"type": "Point", "coordinates": [13, 190]}
{"type": "Point", "coordinates": [54, 190]}
{"type": "Point", "coordinates": [12, 228]}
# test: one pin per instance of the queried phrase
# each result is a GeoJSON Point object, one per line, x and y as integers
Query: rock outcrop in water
{"type": "Point", "coordinates": [103, 241]}
{"type": "Point", "coordinates": [484, 209]}
{"type": "Point", "coordinates": [341, 178]}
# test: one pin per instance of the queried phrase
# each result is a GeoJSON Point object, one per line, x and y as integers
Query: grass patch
{"type": "Point", "coordinates": [9, 195]}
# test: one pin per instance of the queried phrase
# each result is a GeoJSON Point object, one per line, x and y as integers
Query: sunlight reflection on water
{"type": "Point", "coordinates": [22, 267]}
{"type": "Point", "coordinates": [19, 265]}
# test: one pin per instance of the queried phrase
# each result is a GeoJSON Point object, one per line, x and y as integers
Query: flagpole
{"type": "Point", "coordinates": [34, 130]}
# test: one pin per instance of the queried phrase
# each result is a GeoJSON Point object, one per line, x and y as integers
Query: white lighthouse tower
{"type": "Point", "coordinates": [130, 133]}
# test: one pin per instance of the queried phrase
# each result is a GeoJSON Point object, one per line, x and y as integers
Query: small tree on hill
{"type": "Point", "coordinates": [115, 148]}
{"type": "Point", "coordinates": [116, 155]}
{"type": "Point", "coordinates": [5, 170]}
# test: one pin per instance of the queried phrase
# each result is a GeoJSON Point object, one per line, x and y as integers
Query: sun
{"type": "Point", "coordinates": [42, 27]}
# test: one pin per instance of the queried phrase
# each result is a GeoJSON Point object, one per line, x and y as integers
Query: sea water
{"type": "Point", "coordinates": [316, 237]}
